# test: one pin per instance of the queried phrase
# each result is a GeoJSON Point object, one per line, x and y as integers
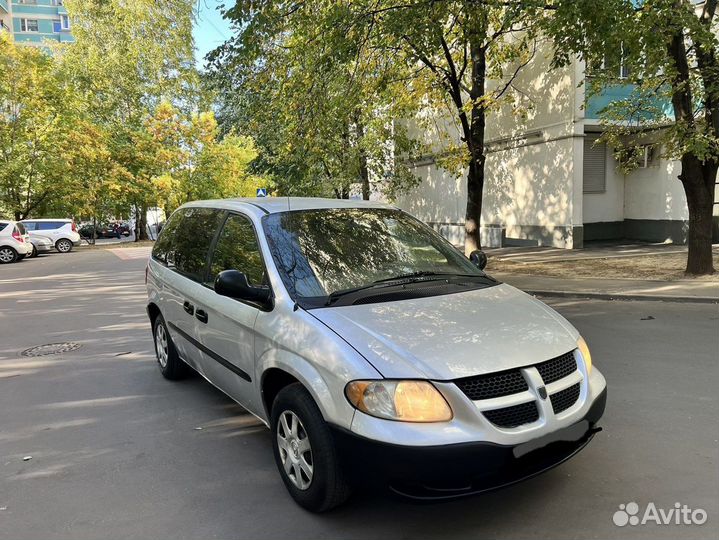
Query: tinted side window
{"type": "Point", "coordinates": [30, 225]}
{"type": "Point", "coordinates": [191, 244]}
{"type": "Point", "coordinates": [49, 225]}
{"type": "Point", "coordinates": [164, 245]}
{"type": "Point", "coordinates": [21, 228]}
{"type": "Point", "coordinates": [237, 249]}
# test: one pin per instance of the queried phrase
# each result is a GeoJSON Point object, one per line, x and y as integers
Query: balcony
{"type": "Point", "coordinates": [3, 6]}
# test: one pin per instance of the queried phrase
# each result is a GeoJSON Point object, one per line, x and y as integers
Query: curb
{"type": "Point", "coordinates": [630, 297]}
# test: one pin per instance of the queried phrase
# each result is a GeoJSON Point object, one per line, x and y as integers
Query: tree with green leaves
{"type": "Point", "coordinates": [196, 162]}
{"type": "Point", "coordinates": [440, 54]}
{"type": "Point", "coordinates": [668, 51]}
{"type": "Point", "coordinates": [320, 104]}
{"type": "Point", "coordinates": [38, 109]}
{"type": "Point", "coordinates": [128, 57]}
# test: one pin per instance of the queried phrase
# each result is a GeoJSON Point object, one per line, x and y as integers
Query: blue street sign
{"type": "Point", "coordinates": [261, 192]}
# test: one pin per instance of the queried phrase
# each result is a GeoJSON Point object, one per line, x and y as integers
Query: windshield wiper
{"type": "Point", "coordinates": [411, 275]}
{"type": "Point", "coordinates": [381, 283]}
{"type": "Point", "coordinates": [334, 295]}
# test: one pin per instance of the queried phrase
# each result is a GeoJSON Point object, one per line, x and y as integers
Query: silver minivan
{"type": "Point", "coordinates": [370, 346]}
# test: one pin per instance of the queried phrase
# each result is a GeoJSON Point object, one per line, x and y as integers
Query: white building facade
{"type": "Point", "coordinates": [548, 182]}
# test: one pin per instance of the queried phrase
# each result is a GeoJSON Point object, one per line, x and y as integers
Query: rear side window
{"type": "Point", "coordinates": [237, 249]}
{"type": "Point", "coordinates": [185, 240]}
{"type": "Point", "coordinates": [164, 245]}
{"type": "Point", "coordinates": [21, 228]}
{"type": "Point", "coordinates": [49, 225]}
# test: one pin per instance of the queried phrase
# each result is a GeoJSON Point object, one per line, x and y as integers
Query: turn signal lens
{"type": "Point", "coordinates": [584, 350]}
{"type": "Point", "coordinates": [407, 401]}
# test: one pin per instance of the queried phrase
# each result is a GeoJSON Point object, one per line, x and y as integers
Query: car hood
{"type": "Point", "coordinates": [454, 335]}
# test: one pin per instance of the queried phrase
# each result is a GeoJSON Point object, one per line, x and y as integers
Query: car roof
{"type": "Point", "coordinates": [273, 205]}
{"type": "Point", "coordinates": [65, 220]}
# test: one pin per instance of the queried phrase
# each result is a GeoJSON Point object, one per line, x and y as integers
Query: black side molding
{"type": "Point", "coordinates": [212, 354]}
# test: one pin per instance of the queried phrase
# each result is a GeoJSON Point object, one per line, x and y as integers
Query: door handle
{"type": "Point", "coordinates": [201, 315]}
{"type": "Point", "coordinates": [189, 308]}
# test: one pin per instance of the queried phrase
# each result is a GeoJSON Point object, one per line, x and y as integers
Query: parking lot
{"type": "Point", "coordinates": [117, 451]}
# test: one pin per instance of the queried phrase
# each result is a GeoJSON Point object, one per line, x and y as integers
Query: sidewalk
{"type": "Point", "coordinates": [530, 255]}
{"type": "Point", "coordinates": [619, 289]}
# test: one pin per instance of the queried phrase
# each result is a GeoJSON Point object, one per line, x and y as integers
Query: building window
{"type": "Point", "coordinates": [595, 163]}
{"type": "Point", "coordinates": [26, 2]}
{"type": "Point", "coordinates": [65, 22]}
{"type": "Point", "coordinates": [56, 2]}
{"type": "Point", "coordinates": [28, 25]}
{"type": "Point", "coordinates": [56, 25]}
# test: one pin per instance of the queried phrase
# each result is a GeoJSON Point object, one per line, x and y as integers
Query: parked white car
{"type": "Point", "coordinates": [62, 232]}
{"type": "Point", "coordinates": [13, 245]}
{"type": "Point", "coordinates": [370, 346]}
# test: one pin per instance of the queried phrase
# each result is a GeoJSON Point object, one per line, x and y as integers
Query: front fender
{"type": "Point", "coordinates": [325, 388]}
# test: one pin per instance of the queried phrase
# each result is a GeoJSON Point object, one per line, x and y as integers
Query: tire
{"type": "Point", "coordinates": [33, 253]}
{"type": "Point", "coordinates": [169, 362]}
{"type": "Point", "coordinates": [7, 255]}
{"type": "Point", "coordinates": [328, 486]}
{"type": "Point", "coordinates": [63, 245]}
{"type": "Point", "coordinates": [21, 257]}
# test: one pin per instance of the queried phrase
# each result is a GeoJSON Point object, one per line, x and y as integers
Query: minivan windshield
{"type": "Point", "coordinates": [320, 253]}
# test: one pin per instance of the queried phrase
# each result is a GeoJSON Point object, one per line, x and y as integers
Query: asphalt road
{"type": "Point", "coordinates": [117, 451]}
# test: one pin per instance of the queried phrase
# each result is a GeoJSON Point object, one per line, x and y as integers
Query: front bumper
{"type": "Point", "coordinates": [456, 470]}
{"type": "Point", "coordinates": [43, 248]}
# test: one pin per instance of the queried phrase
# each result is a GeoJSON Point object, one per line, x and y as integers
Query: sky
{"type": "Point", "coordinates": [210, 29]}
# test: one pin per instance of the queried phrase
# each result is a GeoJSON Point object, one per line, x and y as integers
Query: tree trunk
{"type": "Point", "coordinates": [142, 223]}
{"type": "Point", "coordinates": [698, 180]}
{"type": "Point", "coordinates": [475, 143]}
{"type": "Point", "coordinates": [696, 176]}
{"type": "Point", "coordinates": [363, 169]}
{"type": "Point", "coordinates": [475, 186]}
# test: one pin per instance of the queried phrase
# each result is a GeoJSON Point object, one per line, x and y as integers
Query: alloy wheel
{"type": "Point", "coordinates": [63, 246]}
{"type": "Point", "coordinates": [161, 345]}
{"type": "Point", "coordinates": [295, 450]}
{"type": "Point", "coordinates": [7, 255]}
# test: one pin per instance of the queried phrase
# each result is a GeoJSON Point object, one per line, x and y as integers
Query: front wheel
{"type": "Point", "coordinates": [305, 451]}
{"type": "Point", "coordinates": [7, 255]}
{"type": "Point", "coordinates": [33, 253]}
{"type": "Point", "coordinates": [63, 245]}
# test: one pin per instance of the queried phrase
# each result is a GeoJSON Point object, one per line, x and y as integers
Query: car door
{"type": "Point", "coordinates": [51, 229]}
{"type": "Point", "coordinates": [186, 261]}
{"type": "Point", "coordinates": [227, 326]}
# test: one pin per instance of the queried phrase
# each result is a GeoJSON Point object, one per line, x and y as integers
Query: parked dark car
{"type": "Point", "coordinates": [106, 230]}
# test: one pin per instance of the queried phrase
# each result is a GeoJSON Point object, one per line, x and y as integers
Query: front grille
{"type": "Point", "coordinates": [514, 416]}
{"type": "Point", "coordinates": [557, 368]}
{"type": "Point", "coordinates": [564, 399]}
{"type": "Point", "coordinates": [503, 383]}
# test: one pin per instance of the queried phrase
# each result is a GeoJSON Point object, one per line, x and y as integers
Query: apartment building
{"type": "Point", "coordinates": [548, 181]}
{"type": "Point", "coordinates": [34, 21]}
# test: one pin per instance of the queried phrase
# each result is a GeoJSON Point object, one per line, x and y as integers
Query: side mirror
{"type": "Point", "coordinates": [234, 284]}
{"type": "Point", "coordinates": [478, 258]}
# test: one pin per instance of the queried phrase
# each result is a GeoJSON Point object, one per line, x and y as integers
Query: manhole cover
{"type": "Point", "coordinates": [51, 348]}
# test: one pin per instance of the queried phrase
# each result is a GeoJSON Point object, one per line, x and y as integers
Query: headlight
{"type": "Point", "coordinates": [408, 401]}
{"type": "Point", "coordinates": [584, 350]}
